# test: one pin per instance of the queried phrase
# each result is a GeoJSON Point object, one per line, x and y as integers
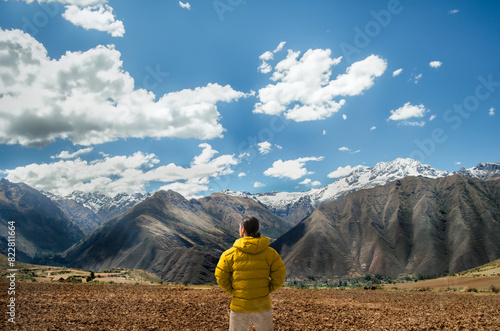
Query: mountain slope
{"type": "Point", "coordinates": [414, 226]}
{"type": "Point", "coordinates": [230, 210]}
{"type": "Point", "coordinates": [177, 239]}
{"type": "Point", "coordinates": [295, 206]}
{"type": "Point", "coordinates": [163, 232]}
{"type": "Point", "coordinates": [42, 228]}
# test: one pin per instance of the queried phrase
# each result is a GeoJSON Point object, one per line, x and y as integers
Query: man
{"type": "Point", "coordinates": [250, 271]}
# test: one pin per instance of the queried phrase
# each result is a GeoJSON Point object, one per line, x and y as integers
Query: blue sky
{"type": "Point", "coordinates": [202, 96]}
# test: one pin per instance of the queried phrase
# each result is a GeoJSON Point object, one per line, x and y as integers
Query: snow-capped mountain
{"type": "Point", "coordinates": [483, 170]}
{"type": "Point", "coordinates": [103, 206]}
{"type": "Point", "coordinates": [297, 205]}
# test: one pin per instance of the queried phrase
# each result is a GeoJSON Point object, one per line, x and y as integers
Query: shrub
{"type": "Point", "coordinates": [494, 289]}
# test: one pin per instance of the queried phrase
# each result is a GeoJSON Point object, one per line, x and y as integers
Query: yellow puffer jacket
{"type": "Point", "coordinates": [249, 271]}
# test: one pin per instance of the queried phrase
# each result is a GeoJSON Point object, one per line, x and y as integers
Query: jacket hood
{"type": "Point", "coordinates": [252, 245]}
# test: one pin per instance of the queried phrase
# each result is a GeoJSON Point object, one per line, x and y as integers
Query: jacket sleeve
{"type": "Point", "coordinates": [223, 273]}
{"type": "Point", "coordinates": [278, 273]}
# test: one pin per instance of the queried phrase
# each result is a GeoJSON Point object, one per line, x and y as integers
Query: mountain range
{"type": "Point", "coordinates": [42, 228]}
{"type": "Point", "coordinates": [295, 206]}
{"type": "Point", "coordinates": [180, 239]}
{"type": "Point", "coordinates": [415, 225]}
{"type": "Point", "coordinates": [177, 239]}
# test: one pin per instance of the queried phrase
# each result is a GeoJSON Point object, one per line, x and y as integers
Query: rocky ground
{"type": "Point", "coordinates": [53, 306]}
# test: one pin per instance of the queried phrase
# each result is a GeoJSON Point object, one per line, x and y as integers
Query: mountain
{"type": "Point", "coordinates": [230, 210]}
{"type": "Point", "coordinates": [41, 228]}
{"type": "Point", "coordinates": [415, 225]}
{"type": "Point", "coordinates": [177, 239]}
{"type": "Point", "coordinates": [106, 207]}
{"type": "Point", "coordinates": [89, 210]}
{"type": "Point", "coordinates": [295, 206]}
{"type": "Point", "coordinates": [80, 215]}
{"type": "Point", "coordinates": [482, 171]}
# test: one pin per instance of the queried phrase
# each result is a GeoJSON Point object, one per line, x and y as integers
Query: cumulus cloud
{"type": "Point", "coordinates": [98, 17]}
{"type": "Point", "coordinates": [90, 14]}
{"type": "Point", "coordinates": [397, 72]}
{"type": "Point", "coordinates": [344, 149]}
{"type": "Point", "coordinates": [344, 171]}
{"type": "Point", "coordinates": [117, 174]}
{"type": "Point", "coordinates": [258, 184]}
{"type": "Point", "coordinates": [435, 64]}
{"type": "Point", "coordinates": [453, 11]}
{"type": "Point", "coordinates": [264, 147]}
{"type": "Point", "coordinates": [292, 169]}
{"type": "Point", "coordinates": [303, 90]}
{"type": "Point", "coordinates": [185, 5]}
{"type": "Point", "coordinates": [88, 98]}
{"type": "Point", "coordinates": [68, 155]}
{"type": "Point", "coordinates": [242, 174]}
{"type": "Point", "coordinates": [309, 182]}
{"type": "Point", "coordinates": [265, 67]}
{"type": "Point", "coordinates": [408, 111]}
{"type": "Point", "coordinates": [491, 111]}
{"type": "Point", "coordinates": [373, 128]}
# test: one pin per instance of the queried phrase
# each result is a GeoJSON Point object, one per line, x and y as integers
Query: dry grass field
{"type": "Point", "coordinates": [64, 306]}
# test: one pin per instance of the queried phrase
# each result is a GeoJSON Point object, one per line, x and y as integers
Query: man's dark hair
{"type": "Point", "coordinates": [251, 225]}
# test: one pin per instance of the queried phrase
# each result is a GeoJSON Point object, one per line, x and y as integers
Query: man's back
{"type": "Point", "coordinates": [250, 271]}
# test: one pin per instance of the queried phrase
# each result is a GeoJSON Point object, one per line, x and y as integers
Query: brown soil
{"type": "Point", "coordinates": [52, 306]}
{"type": "Point", "coordinates": [459, 283]}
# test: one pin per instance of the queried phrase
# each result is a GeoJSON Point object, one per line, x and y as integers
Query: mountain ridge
{"type": "Point", "coordinates": [414, 225]}
{"type": "Point", "coordinates": [295, 206]}
{"type": "Point", "coordinates": [179, 240]}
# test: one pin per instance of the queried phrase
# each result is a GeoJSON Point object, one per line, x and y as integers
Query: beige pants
{"type": "Point", "coordinates": [241, 321]}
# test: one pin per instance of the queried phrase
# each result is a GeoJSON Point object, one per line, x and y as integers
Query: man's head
{"type": "Point", "coordinates": [249, 226]}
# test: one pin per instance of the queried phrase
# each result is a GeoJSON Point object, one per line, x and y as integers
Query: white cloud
{"type": "Point", "coordinates": [98, 17]}
{"type": "Point", "coordinates": [258, 184]}
{"type": "Point", "coordinates": [305, 181]}
{"type": "Point", "coordinates": [185, 5]}
{"type": "Point", "coordinates": [435, 64]}
{"type": "Point", "coordinates": [308, 181]}
{"type": "Point", "coordinates": [453, 11]}
{"type": "Point", "coordinates": [344, 171]}
{"type": "Point", "coordinates": [242, 174]}
{"type": "Point", "coordinates": [88, 98]}
{"type": "Point", "coordinates": [280, 47]}
{"type": "Point", "coordinates": [458, 163]}
{"type": "Point", "coordinates": [373, 128]}
{"type": "Point", "coordinates": [397, 72]}
{"type": "Point", "coordinates": [408, 111]}
{"type": "Point", "coordinates": [417, 78]}
{"type": "Point", "coordinates": [324, 132]}
{"type": "Point", "coordinates": [344, 149]}
{"type": "Point", "coordinates": [265, 67]}
{"type": "Point", "coordinates": [264, 147]}
{"type": "Point", "coordinates": [118, 174]}
{"type": "Point", "coordinates": [292, 169]}
{"type": "Point", "coordinates": [344, 116]}
{"type": "Point", "coordinates": [68, 155]}
{"type": "Point", "coordinates": [90, 14]}
{"type": "Point", "coordinates": [491, 111]}
{"type": "Point", "coordinates": [432, 117]}
{"type": "Point", "coordinates": [305, 83]}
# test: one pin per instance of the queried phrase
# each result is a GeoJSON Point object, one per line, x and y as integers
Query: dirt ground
{"type": "Point", "coordinates": [53, 306]}
{"type": "Point", "coordinates": [459, 283]}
